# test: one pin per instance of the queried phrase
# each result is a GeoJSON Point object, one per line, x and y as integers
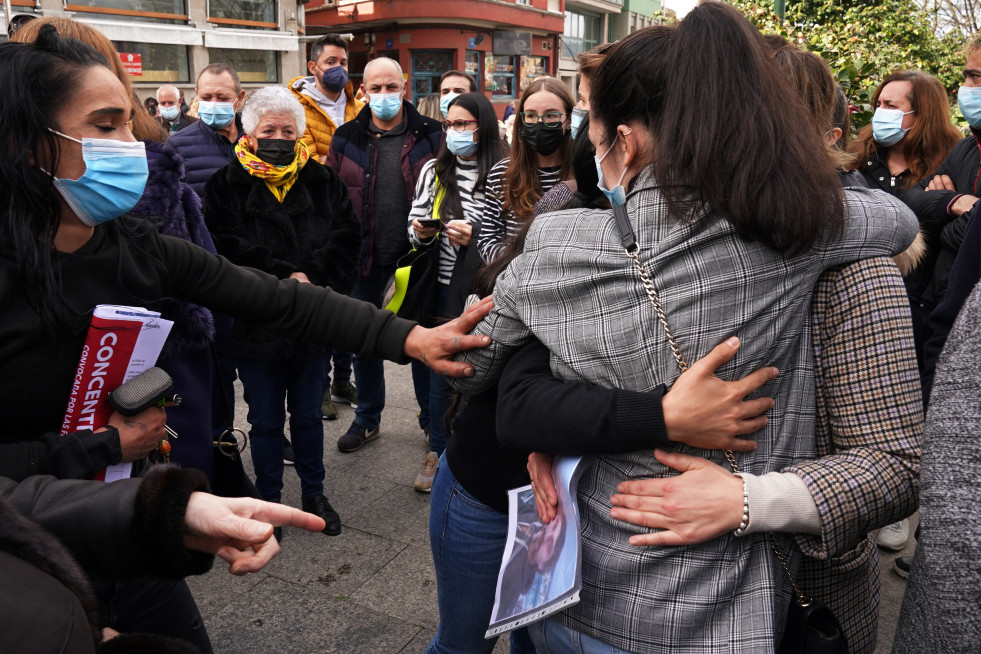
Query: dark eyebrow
{"type": "Point", "coordinates": [970, 71]}
{"type": "Point", "coordinates": [109, 111]}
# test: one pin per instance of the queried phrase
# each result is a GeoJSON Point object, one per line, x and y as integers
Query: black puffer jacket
{"type": "Point", "coordinates": [127, 529]}
{"type": "Point", "coordinates": [944, 232]}
{"type": "Point", "coordinates": [314, 231]}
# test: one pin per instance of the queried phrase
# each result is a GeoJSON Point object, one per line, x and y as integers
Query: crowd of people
{"type": "Point", "coordinates": [585, 252]}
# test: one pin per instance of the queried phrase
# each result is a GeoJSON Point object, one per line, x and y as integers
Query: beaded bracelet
{"type": "Point", "coordinates": [741, 530]}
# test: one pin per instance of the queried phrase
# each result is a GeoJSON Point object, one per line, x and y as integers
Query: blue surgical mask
{"type": "Point", "coordinates": [578, 115]}
{"type": "Point", "coordinates": [113, 182]}
{"type": "Point", "coordinates": [617, 195]}
{"type": "Point", "coordinates": [334, 79]}
{"type": "Point", "coordinates": [385, 106]}
{"type": "Point", "coordinates": [887, 126]}
{"type": "Point", "coordinates": [444, 104]}
{"type": "Point", "coordinates": [216, 115]}
{"type": "Point", "coordinates": [461, 144]}
{"type": "Point", "coordinates": [170, 113]}
{"type": "Point", "coordinates": [969, 100]}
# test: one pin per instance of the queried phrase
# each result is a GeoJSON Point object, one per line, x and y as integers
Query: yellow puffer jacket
{"type": "Point", "coordinates": [320, 128]}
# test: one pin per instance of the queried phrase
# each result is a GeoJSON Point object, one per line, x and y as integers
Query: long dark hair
{"type": "Point", "coordinates": [489, 152]}
{"type": "Point", "coordinates": [38, 80]}
{"type": "Point", "coordinates": [725, 125]}
{"type": "Point", "coordinates": [523, 188]}
{"type": "Point", "coordinates": [931, 137]}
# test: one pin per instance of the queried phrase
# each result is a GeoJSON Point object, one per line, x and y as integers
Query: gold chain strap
{"type": "Point", "coordinates": [683, 365]}
{"type": "Point", "coordinates": [678, 356]}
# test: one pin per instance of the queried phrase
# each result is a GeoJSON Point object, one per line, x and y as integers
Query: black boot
{"type": "Point", "coordinates": [319, 506]}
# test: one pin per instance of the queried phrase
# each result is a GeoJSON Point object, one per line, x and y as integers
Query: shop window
{"type": "Point", "coordinates": [582, 32]}
{"type": "Point", "coordinates": [146, 11]}
{"type": "Point", "coordinates": [532, 67]}
{"type": "Point", "coordinates": [356, 62]}
{"type": "Point", "coordinates": [159, 62]}
{"type": "Point", "coordinates": [499, 75]}
{"type": "Point", "coordinates": [471, 65]}
{"type": "Point", "coordinates": [251, 65]}
{"type": "Point", "coordinates": [427, 67]}
{"type": "Point", "coordinates": [248, 14]}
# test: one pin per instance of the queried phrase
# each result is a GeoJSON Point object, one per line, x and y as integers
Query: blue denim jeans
{"type": "Point", "coordinates": [369, 374]}
{"type": "Point", "coordinates": [550, 637]}
{"type": "Point", "coordinates": [440, 393]}
{"type": "Point", "coordinates": [342, 367]}
{"type": "Point", "coordinates": [299, 383]}
{"type": "Point", "coordinates": [467, 538]}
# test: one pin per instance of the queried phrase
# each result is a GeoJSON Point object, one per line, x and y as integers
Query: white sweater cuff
{"type": "Point", "coordinates": [780, 501]}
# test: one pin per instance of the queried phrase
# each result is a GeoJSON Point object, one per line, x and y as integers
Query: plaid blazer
{"type": "Point", "coordinates": [576, 290]}
{"type": "Point", "coordinates": [869, 429]}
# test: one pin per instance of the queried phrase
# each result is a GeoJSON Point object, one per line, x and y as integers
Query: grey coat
{"type": "Point", "coordinates": [941, 609]}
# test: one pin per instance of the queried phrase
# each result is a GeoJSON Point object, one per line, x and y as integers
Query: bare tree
{"type": "Point", "coordinates": [955, 15]}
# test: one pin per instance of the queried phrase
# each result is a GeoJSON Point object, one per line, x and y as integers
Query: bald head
{"type": "Point", "coordinates": [382, 67]}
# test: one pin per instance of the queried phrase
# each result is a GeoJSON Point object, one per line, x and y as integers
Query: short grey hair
{"type": "Point", "coordinates": [169, 87]}
{"type": "Point", "coordinates": [272, 100]}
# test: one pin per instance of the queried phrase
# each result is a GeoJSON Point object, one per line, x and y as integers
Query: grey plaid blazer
{"type": "Point", "coordinates": [575, 289]}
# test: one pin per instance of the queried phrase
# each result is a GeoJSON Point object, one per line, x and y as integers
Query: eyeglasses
{"type": "Point", "coordinates": [551, 119]}
{"type": "Point", "coordinates": [457, 125]}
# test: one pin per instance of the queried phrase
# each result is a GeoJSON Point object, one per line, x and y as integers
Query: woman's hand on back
{"type": "Point", "coordinates": [706, 412]}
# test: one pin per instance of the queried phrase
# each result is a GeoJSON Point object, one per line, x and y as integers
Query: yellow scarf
{"type": "Point", "coordinates": [278, 179]}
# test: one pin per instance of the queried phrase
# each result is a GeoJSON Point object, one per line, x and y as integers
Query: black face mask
{"type": "Point", "coordinates": [277, 152]}
{"type": "Point", "coordinates": [541, 139]}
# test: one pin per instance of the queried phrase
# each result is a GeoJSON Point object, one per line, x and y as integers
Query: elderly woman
{"type": "Point", "coordinates": [277, 209]}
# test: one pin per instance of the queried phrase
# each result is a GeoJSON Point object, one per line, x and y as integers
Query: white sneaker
{"type": "Point", "coordinates": [895, 536]}
{"type": "Point", "coordinates": [424, 480]}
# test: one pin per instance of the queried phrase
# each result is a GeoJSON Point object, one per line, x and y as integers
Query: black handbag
{"type": "Point", "coordinates": [812, 629]}
{"type": "Point", "coordinates": [416, 276]}
{"type": "Point", "coordinates": [230, 478]}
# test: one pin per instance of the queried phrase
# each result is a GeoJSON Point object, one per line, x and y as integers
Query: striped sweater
{"type": "Point", "coordinates": [422, 208]}
{"type": "Point", "coordinates": [499, 223]}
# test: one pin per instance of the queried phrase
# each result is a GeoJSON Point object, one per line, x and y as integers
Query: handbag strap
{"type": "Point", "coordinates": [628, 240]}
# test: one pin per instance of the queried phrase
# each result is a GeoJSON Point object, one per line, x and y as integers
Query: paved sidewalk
{"type": "Point", "coordinates": [372, 589]}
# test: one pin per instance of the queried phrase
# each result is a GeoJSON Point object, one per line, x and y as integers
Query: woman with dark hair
{"type": "Point", "coordinates": [173, 207]}
{"type": "Point", "coordinates": [540, 157]}
{"type": "Point", "coordinates": [580, 191]}
{"type": "Point", "coordinates": [910, 133]}
{"type": "Point", "coordinates": [908, 139]}
{"type": "Point", "coordinates": [714, 248]}
{"type": "Point", "coordinates": [449, 199]}
{"type": "Point", "coordinates": [73, 169]}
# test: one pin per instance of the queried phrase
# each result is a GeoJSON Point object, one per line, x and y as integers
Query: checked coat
{"type": "Point", "coordinates": [575, 289]}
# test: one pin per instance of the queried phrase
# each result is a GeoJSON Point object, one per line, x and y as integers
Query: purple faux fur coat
{"type": "Point", "coordinates": [175, 209]}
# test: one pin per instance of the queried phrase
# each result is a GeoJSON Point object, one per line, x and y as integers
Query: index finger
{"type": "Point", "coordinates": [475, 313]}
{"type": "Point", "coordinates": [279, 515]}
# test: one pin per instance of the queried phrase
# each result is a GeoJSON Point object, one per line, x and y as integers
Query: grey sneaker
{"type": "Point", "coordinates": [356, 436]}
{"type": "Point", "coordinates": [345, 394]}
{"type": "Point", "coordinates": [328, 409]}
{"type": "Point", "coordinates": [895, 536]}
{"type": "Point", "coordinates": [424, 480]}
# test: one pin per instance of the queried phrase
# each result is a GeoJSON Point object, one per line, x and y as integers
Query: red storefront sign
{"type": "Point", "coordinates": [132, 63]}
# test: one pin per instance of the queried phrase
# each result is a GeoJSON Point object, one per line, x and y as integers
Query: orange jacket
{"type": "Point", "coordinates": [320, 128]}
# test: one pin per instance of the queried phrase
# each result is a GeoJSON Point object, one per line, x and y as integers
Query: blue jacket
{"type": "Point", "coordinates": [204, 151]}
{"type": "Point", "coordinates": [354, 158]}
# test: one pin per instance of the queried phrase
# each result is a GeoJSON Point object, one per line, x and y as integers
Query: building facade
{"type": "Point", "coordinates": [504, 44]}
{"type": "Point", "coordinates": [170, 41]}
